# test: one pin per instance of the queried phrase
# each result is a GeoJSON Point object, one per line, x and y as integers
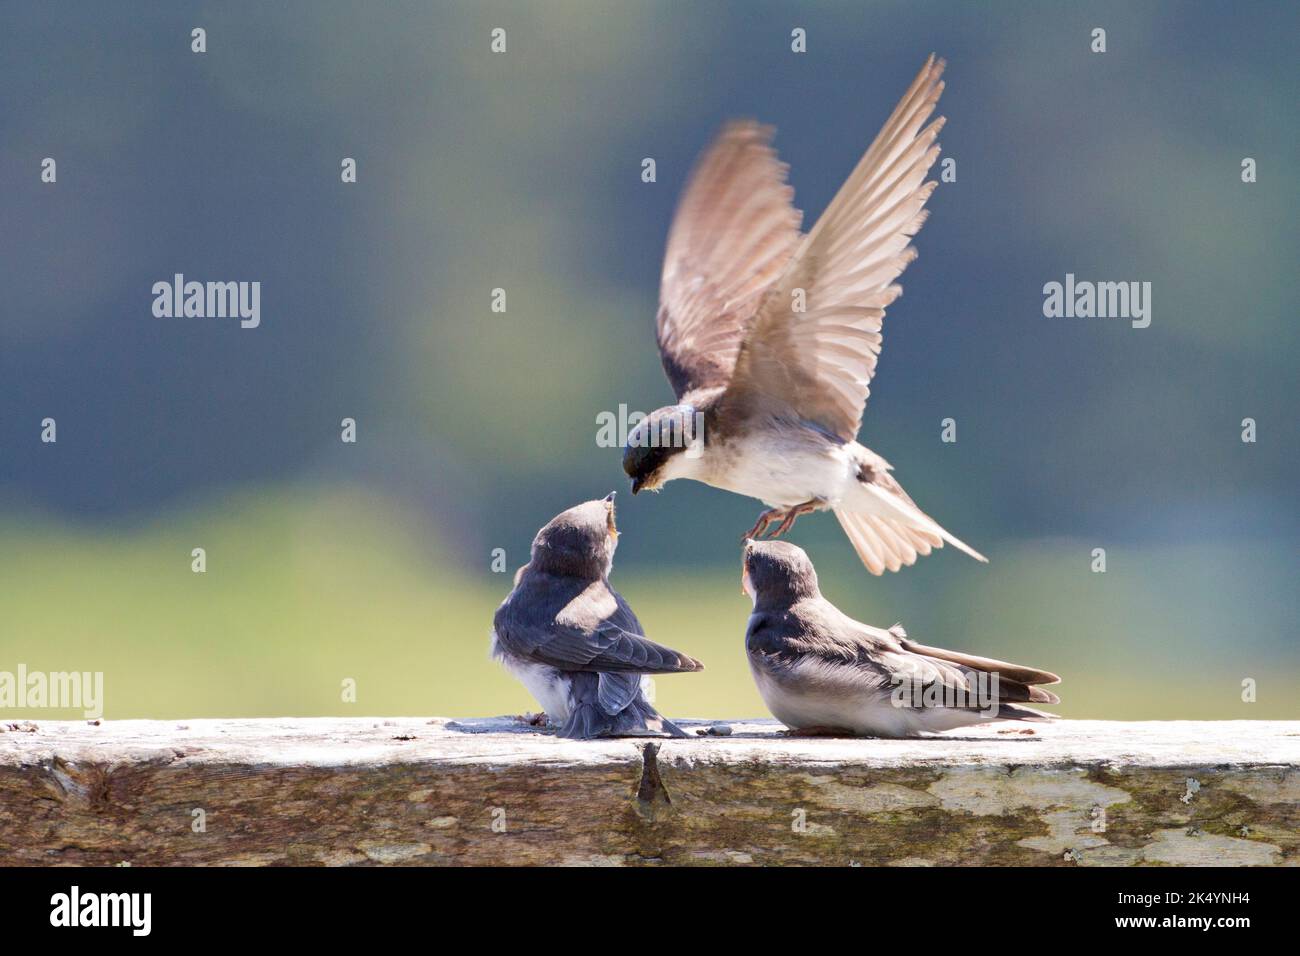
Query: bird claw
{"type": "Point", "coordinates": [760, 526]}
{"type": "Point", "coordinates": [786, 517]}
{"type": "Point", "coordinates": [787, 522]}
{"type": "Point", "coordinates": [792, 515]}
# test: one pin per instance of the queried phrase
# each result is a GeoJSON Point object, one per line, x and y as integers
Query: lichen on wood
{"type": "Point", "coordinates": [406, 791]}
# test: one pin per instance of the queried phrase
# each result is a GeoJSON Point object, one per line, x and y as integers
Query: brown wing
{"type": "Point", "coordinates": [732, 236]}
{"type": "Point", "coordinates": [955, 670]}
{"type": "Point", "coordinates": [1008, 671]}
{"type": "Point", "coordinates": [817, 363]}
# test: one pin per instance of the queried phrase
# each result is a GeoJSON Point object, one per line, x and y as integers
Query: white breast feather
{"type": "Point", "coordinates": [815, 693]}
{"type": "Point", "coordinates": [548, 685]}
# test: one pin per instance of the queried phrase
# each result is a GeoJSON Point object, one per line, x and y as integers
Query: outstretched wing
{"type": "Point", "coordinates": [816, 363]}
{"type": "Point", "coordinates": [731, 238]}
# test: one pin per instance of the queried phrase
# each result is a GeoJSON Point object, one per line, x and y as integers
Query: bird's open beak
{"type": "Point", "coordinates": [609, 515]}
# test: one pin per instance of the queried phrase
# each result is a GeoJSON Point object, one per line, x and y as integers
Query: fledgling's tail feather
{"type": "Point", "coordinates": [1016, 712]}
{"type": "Point", "coordinates": [638, 719]}
{"type": "Point", "coordinates": [588, 719]}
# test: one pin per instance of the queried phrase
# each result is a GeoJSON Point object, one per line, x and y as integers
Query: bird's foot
{"type": "Point", "coordinates": [538, 719]}
{"type": "Point", "coordinates": [819, 732]}
{"type": "Point", "coordinates": [792, 514]}
{"type": "Point", "coordinates": [760, 526]}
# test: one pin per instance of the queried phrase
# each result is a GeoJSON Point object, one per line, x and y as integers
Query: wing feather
{"type": "Point", "coordinates": [608, 647]}
{"type": "Point", "coordinates": [731, 238]}
{"type": "Point", "coordinates": [817, 365]}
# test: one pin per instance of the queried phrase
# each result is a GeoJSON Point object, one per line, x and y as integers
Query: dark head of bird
{"type": "Point", "coordinates": [777, 572]}
{"type": "Point", "coordinates": [654, 445]}
{"type": "Point", "coordinates": [579, 542]}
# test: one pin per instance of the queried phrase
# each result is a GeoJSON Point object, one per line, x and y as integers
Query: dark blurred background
{"type": "Point", "coordinates": [522, 170]}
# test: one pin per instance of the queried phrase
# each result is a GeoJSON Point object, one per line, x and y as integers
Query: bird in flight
{"type": "Point", "coordinates": [770, 336]}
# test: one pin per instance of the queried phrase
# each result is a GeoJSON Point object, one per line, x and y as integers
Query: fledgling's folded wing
{"type": "Point", "coordinates": [1008, 673]}
{"type": "Point", "coordinates": [1016, 683]}
{"type": "Point", "coordinates": [606, 647]}
{"type": "Point", "coordinates": [875, 661]}
{"type": "Point", "coordinates": [731, 238]}
{"type": "Point", "coordinates": [811, 349]}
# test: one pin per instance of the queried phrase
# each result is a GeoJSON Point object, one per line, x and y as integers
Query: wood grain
{"type": "Point", "coordinates": [367, 791]}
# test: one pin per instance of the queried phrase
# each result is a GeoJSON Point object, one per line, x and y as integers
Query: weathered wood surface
{"type": "Point", "coordinates": [418, 791]}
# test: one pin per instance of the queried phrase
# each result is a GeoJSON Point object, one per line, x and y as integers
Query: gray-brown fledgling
{"type": "Point", "coordinates": [573, 641]}
{"type": "Point", "coordinates": [770, 336]}
{"type": "Point", "coordinates": [819, 670]}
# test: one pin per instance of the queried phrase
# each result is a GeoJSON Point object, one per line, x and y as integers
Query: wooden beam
{"type": "Point", "coordinates": [496, 791]}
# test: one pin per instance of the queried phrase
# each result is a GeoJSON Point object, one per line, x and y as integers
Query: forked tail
{"type": "Point", "coordinates": [891, 532]}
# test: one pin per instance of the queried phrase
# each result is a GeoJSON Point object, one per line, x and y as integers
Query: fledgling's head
{"type": "Point", "coordinates": [579, 542]}
{"type": "Point", "coordinates": [776, 572]}
{"type": "Point", "coordinates": [655, 448]}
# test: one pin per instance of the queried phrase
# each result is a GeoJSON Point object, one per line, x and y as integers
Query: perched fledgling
{"type": "Point", "coordinates": [573, 641]}
{"type": "Point", "coordinates": [820, 671]}
{"type": "Point", "coordinates": [770, 337]}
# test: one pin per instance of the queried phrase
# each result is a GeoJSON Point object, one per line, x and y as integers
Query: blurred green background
{"type": "Point", "coordinates": [372, 561]}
